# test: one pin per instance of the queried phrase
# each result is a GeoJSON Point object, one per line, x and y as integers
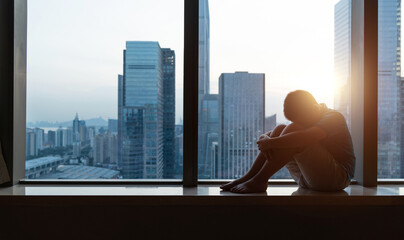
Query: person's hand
{"type": "Point", "coordinates": [263, 144]}
{"type": "Point", "coordinates": [263, 136]}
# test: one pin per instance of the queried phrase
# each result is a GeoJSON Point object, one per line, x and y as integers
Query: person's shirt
{"type": "Point", "coordinates": [338, 140]}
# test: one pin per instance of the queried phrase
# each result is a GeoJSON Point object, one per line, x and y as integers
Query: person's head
{"type": "Point", "coordinates": [302, 108]}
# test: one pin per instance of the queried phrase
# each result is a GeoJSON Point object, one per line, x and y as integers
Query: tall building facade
{"type": "Point", "coordinates": [79, 130]}
{"type": "Point", "coordinates": [207, 131]}
{"type": "Point", "coordinates": [168, 112]}
{"type": "Point", "coordinates": [342, 58]}
{"type": "Point", "coordinates": [204, 48]}
{"type": "Point", "coordinates": [76, 149]}
{"type": "Point", "coordinates": [59, 137]}
{"type": "Point", "coordinates": [83, 131]}
{"type": "Point", "coordinates": [30, 143]}
{"type": "Point", "coordinates": [389, 77]}
{"type": "Point", "coordinates": [34, 141]}
{"type": "Point", "coordinates": [141, 113]}
{"type": "Point", "coordinates": [51, 138]}
{"type": "Point", "coordinates": [120, 123]}
{"type": "Point", "coordinates": [402, 127]}
{"type": "Point", "coordinates": [64, 137]}
{"type": "Point", "coordinates": [39, 139]}
{"type": "Point", "coordinates": [76, 129]}
{"type": "Point", "coordinates": [179, 153]}
{"type": "Point", "coordinates": [105, 149]}
{"type": "Point", "coordinates": [241, 121]}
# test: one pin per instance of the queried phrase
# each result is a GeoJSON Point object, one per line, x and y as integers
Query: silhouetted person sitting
{"type": "Point", "coordinates": [316, 148]}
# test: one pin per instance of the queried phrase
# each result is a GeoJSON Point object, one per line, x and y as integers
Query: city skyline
{"type": "Point", "coordinates": [95, 85]}
{"type": "Point", "coordinates": [146, 95]}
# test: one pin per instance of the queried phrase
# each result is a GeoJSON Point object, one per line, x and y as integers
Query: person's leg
{"type": "Point", "coordinates": [277, 159]}
{"type": "Point", "coordinates": [319, 169]}
{"type": "Point", "coordinates": [258, 163]}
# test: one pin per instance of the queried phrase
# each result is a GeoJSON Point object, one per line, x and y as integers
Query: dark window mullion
{"type": "Point", "coordinates": [190, 141]}
{"type": "Point", "coordinates": [364, 74]}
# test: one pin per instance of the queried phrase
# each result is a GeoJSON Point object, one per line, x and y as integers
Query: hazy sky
{"type": "Point", "coordinates": [75, 49]}
{"type": "Point", "coordinates": [75, 52]}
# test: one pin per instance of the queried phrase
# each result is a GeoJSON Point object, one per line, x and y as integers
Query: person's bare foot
{"type": "Point", "coordinates": [250, 186]}
{"type": "Point", "coordinates": [228, 186]}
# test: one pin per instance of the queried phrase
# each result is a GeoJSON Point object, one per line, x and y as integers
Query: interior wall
{"type": "Point", "coordinates": [6, 81]}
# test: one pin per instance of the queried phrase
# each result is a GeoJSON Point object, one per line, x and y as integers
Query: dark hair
{"type": "Point", "coordinates": [296, 103]}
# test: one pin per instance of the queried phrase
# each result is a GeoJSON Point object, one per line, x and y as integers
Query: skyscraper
{"type": "Point", "coordinates": [59, 137]}
{"type": "Point", "coordinates": [342, 58]}
{"type": "Point", "coordinates": [204, 136]}
{"type": "Point", "coordinates": [51, 138]}
{"type": "Point", "coordinates": [105, 149]}
{"type": "Point", "coordinates": [204, 48]}
{"type": "Point", "coordinates": [83, 131]}
{"type": "Point", "coordinates": [241, 121]}
{"type": "Point", "coordinates": [30, 142]}
{"type": "Point", "coordinates": [79, 130]}
{"type": "Point", "coordinates": [141, 111]}
{"type": "Point", "coordinates": [39, 139]}
{"type": "Point", "coordinates": [209, 133]}
{"type": "Point", "coordinates": [69, 136]}
{"type": "Point", "coordinates": [389, 77]}
{"type": "Point", "coordinates": [168, 112]}
{"type": "Point", "coordinates": [76, 128]}
{"type": "Point", "coordinates": [120, 122]}
{"type": "Point", "coordinates": [178, 150]}
{"type": "Point", "coordinates": [76, 149]}
{"type": "Point", "coordinates": [402, 127]}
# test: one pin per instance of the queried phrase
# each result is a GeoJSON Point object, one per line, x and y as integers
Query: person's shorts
{"type": "Point", "coordinates": [315, 168]}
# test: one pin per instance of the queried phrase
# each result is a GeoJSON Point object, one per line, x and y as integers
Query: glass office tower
{"type": "Point", "coordinates": [204, 48]}
{"type": "Point", "coordinates": [206, 130]}
{"type": "Point", "coordinates": [389, 75]}
{"type": "Point", "coordinates": [141, 113]}
{"type": "Point", "coordinates": [209, 134]}
{"type": "Point", "coordinates": [241, 121]}
{"type": "Point", "coordinates": [168, 113]}
{"type": "Point", "coordinates": [342, 58]}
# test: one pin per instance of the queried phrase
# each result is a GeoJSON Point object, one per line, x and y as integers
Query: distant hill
{"type": "Point", "coordinates": [96, 122]}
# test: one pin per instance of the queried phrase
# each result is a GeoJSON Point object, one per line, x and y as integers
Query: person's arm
{"type": "Point", "coordinates": [265, 135]}
{"type": "Point", "coordinates": [294, 139]}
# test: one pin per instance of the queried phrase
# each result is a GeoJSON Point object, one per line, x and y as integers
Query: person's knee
{"type": "Point", "coordinates": [293, 127]}
{"type": "Point", "coordinates": [277, 130]}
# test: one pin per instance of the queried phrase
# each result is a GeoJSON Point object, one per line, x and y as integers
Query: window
{"type": "Point", "coordinates": [250, 56]}
{"type": "Point", "coordinates": [104, 89]}
{"type": "Point", "coordinates": [131, 114]}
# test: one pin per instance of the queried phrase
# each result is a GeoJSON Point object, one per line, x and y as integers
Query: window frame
{"type": "Point", "coordinates": [364, 59]}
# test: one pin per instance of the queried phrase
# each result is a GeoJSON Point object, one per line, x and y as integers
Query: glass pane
{"type": "Point", "coordinates": [104, 95]}
{"type": "Point", "coordinates": [391, 95]}
{"type": "Point", "coordinates": [249, 58]}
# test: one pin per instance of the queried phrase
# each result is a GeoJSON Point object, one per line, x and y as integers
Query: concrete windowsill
{"type": "Point", "coordinates": [385, 195]}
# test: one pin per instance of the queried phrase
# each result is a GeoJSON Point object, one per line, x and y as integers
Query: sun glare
{"type": "Point", "coordinates": [321, 88]}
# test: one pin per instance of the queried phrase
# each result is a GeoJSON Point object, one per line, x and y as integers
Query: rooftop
{"type": "Point", "coordinates": [41, 161]}
{"type": "Point", "coordinates": [81, 172]}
